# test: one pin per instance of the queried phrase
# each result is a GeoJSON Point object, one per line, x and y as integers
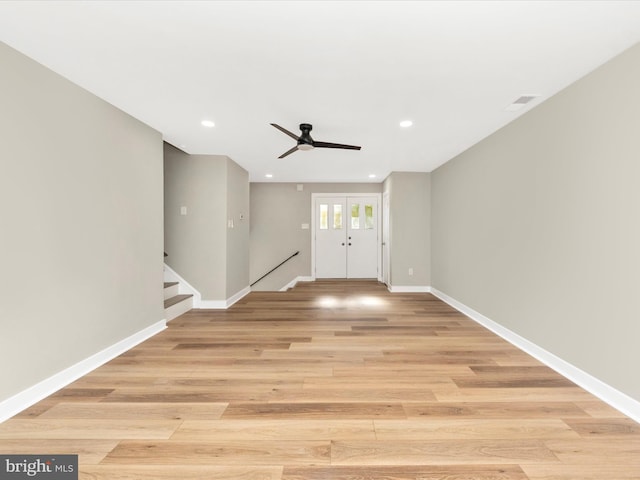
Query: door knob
{"type": "Point", "coordinates": [343, 244]}
{"type": "Point", "coordinates": [349, 244]}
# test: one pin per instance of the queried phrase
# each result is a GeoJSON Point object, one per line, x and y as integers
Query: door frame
{"type": "Point", "coordinates": [315, 196]}
{"type": "Point", "coordinates": [386, 240]}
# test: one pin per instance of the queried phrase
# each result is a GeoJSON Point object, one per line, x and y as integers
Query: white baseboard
{"type": "Point", "coordinates": [170, 275]}
{"type": "Point", "coordinates": [408, 289]}
{"type": "Point", "coordinates": [222, 304]}
{"type": "Point", "coordinates": [19, 402]}
{"type": "Point", "coordinates": [238, 296]}
{"type": "Point", "coordinates": [210, 305]}
{"type": "Point", "coordinates": [618, 400]}
{"type": "Point", "coordinates": [293, 282]}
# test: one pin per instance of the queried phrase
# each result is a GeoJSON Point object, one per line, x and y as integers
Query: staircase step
{"type": "Point", "coordinates": [177, 305]}
{"type": "Point", "coordinates": [171, 289]}
{"type": "Point", "coordinates": [176, 299]}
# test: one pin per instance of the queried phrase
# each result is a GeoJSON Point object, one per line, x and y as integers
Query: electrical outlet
{"type": "Point", "coordinates": [411, 271]}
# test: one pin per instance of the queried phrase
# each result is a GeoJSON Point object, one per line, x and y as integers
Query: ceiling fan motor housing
{"type": "Point", "coordinates": [305, 142]}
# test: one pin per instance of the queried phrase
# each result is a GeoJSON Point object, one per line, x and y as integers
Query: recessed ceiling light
{"type": "Point", "coordinates": [372, 175]}
{"type": "Point", "coordinates": [208, 123]}
{"type": "Point", "coordinates": [269, 175]}
{"type": "Point", "coordinates": [406, 123]}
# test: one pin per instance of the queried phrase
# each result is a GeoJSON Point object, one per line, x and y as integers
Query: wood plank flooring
{"type": "Point", "coordinates": [331, 380]}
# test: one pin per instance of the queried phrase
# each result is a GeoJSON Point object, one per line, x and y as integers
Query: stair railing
{"type": "Point", "coordinates": [275, 268]}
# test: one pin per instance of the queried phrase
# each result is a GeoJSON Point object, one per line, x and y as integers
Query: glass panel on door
{"type": "Point", "coordinates": [337, 216]}
{"type": "Point", "coordinates": [355, 216]}
{"type": "Point", "coordinates": [324, 215]}
{"type": "Point", "coordinates": [368, 217]}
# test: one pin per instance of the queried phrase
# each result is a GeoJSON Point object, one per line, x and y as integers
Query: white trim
{"type": "Point", "coordinates": [170, 275]}
{"type": "Point", "coordinates": [408, 288]}
{"type": "Point", "coordinates": [314, 196]}
{"type": "Point", "coordinates": [293, 282]}
{"type": "Point", "coordinates": [223, 304]}
{"type": "Point", "coordinates": [211, 305]}
{"type": "Point", "coordinates": [238, 296]}
{"type": "Point", "coordinates": [385, 267]}
{"type": "Point", "coordinates": [19, 402]}
{"type": "Point", "coordinates": [618, 400]}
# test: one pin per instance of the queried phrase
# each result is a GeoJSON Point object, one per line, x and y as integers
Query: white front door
{"type": "Point", "coordinates": [331, 237]}
{"type": "Point", "coordinates": [346, 237]}
{"type": "Point", "coordinates": [362, 237]}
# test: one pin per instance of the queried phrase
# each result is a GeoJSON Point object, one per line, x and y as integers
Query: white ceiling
{"type": "Point", "coordinates": [352, 69]}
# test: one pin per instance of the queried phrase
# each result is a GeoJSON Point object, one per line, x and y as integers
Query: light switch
{"type": "Point", "coordinates": [299, 187]}
{"type": "Point", "coordinates": [305, 226]}
{"type": "Point", "coordinates": [183, 210]}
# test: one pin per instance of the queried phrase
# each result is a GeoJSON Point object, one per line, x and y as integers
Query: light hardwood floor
{"type": "Point", "coordinates": [332, 380]}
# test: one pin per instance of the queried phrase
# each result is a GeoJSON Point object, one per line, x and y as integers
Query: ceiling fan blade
{"type": "Point", "coordinates": [285, 131]}
{"type": "Point", "coordinates": [289, 152]}
{"type": "Point", "coordinates": [335, 145]}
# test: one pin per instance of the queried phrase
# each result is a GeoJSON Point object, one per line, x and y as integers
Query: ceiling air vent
{"type": "Point", "coordinates": [520, 102]}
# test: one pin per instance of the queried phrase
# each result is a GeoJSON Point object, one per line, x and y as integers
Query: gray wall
{"type": "Point", "coordinates": [202, 249]}
{"type": "Point", "coordinates": [277, 212]}
{"type": "Point", "coordinates": [409, 224]}
{"type": "Point", "coordinates": [237, 237]}
{"type": "Point", "coordinates": [196, 242]}
{"type": "Point", "coordinates": [81, 241]}
{"type": "Point", "coordinates": [538, 226]}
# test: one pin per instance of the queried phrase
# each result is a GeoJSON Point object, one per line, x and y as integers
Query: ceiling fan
{"type": "Point", "coordinates": [305, 142]}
